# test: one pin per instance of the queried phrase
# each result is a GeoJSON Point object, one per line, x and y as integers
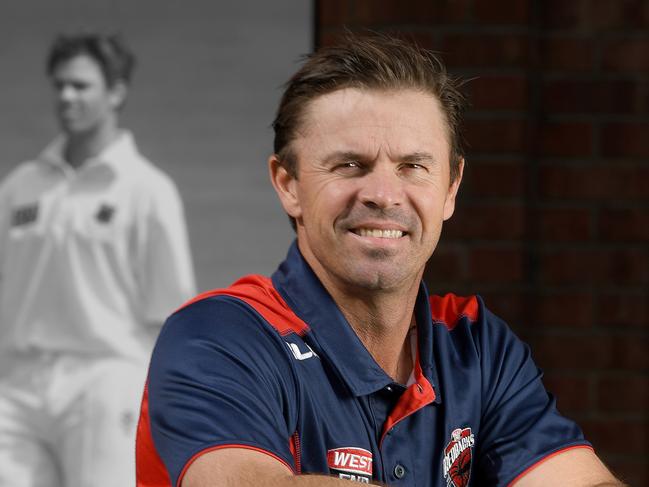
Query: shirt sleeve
{"type": "Point", "coordinates": [220, 376]}
{"type": "Point", "coordinates": [164, 266]}
{"type": "Point", "coordinates": [520, 422]}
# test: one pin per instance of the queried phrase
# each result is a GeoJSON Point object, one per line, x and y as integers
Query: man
{"type": "Point", "coordinates": [93, 256]}
{"type": "Point", "coordinates": [341, 365]}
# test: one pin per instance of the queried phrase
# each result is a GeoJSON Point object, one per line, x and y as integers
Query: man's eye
{"type": "Point", "coordinates": [348, 166]}
{"type": "Point", "coordinates": [413, 166]}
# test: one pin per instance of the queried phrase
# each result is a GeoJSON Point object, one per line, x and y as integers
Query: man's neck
{"type": "Point", "coordinates": [382, 321]}
{"type": "Point", "coordinates": [80, 147]}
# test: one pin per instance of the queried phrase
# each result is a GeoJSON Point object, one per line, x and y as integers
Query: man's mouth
{"type": "Point", "coordinates": [378, 233]}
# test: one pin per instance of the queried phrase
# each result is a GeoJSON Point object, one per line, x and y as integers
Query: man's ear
{"type": "Point", "coordinates": [285, 186]}
{"type": "Point", "coordinates": [118, 93]}
{"type": "Point", "coordinates": [449, 204]}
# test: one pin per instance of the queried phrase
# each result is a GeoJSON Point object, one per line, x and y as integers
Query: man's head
{"type": "Point", "coordinates": [375, 63]}
{"type": "Point", "coordinates": [368, 161]}
{"type": "Point", "coordinates": [90, 75]}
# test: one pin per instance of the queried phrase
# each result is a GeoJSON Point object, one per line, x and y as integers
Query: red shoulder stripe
{"type": "Point", "coordinates": [449, 309]}
{"type": "Point", "coordinates": [258, 292]}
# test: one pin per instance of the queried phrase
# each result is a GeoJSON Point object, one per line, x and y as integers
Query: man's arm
{"type": "Point", "coordinates": [164, 264]}
{"type": "Point", "coordinates": [242, 467]}
{"type": "Point", "coordinates": [578, 467]}
{"type": "Point", "coordinates": [239, 467]}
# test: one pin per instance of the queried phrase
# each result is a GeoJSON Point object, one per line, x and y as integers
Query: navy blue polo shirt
{"type": "Point", "coordinates": [272, 365]}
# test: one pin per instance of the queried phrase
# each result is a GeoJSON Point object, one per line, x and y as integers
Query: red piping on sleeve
{"type": "Point", "coordinates": [150, 470]}
{"type": "Point", "coordinates": [258, 292]}
{"type": "Point", "coordinates": [544, 459]}
{"type": "Point", "coordinates": [221, 447]}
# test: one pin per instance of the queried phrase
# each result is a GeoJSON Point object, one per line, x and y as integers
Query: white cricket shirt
{"type": "Point", "coordinates": [90, 259]}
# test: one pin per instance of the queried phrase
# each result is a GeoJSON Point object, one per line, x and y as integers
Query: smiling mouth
{"type": "Point", "coordinates": [378, 233]}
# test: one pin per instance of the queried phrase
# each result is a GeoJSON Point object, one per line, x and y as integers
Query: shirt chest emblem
{"type": "Point", "coordinates": [105, 213]}
{"type": "Point", "coordinates": [458, 455]}
{"type": "Point", "coordinates": [351, 463]}
{"type": "Point", "coordinates": [24, 215]}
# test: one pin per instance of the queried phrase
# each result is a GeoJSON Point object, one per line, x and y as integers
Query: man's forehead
{"type": "Point", "coordinates": [349, 111]}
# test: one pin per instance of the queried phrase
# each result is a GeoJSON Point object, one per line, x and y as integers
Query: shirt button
{"type": "Point", "coordinates": [399, 471]}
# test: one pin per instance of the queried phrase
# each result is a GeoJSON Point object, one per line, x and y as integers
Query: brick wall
{"type": "Point", "coordinates": [552, 226]}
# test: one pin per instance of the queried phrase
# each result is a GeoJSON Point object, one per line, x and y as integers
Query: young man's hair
{"type": "Point", "coordinates": [368, 62]}
{"type": "Point", "coordinates": [111, 54]}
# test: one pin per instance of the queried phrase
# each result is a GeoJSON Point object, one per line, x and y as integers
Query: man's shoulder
{"type": "Point", "coordinates": [252, 298]}
{"type": "Point", "coordinates": [22, 173]}
{"type": "Point", "coordinates": [449, 309]}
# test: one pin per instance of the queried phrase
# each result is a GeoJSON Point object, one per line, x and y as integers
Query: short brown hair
{"type": "Point", "coordinates": [373, 62]}
{"type": "Point", "coordinates": [109, 51]}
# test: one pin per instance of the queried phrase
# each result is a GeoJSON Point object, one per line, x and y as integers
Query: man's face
{"type": "Point", "coordinates": [84, 101]}
{"type": "Point", "coordinates": [372, 188]}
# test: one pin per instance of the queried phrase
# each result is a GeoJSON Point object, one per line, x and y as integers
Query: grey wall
{"type": "Point", "coordinates": [201, 104]}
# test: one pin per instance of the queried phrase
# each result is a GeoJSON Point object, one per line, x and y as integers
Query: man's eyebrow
{"type": "Point", "coordinates": [412, 158]}
{"type": "Point", "coordinates": [344, 156]}
{"type": "Point", "coordinates": [416, 157]}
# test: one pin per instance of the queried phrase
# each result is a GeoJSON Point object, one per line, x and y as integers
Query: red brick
{"type": "Point", "coordinates": [626, 139]}
{"type": "Point", "coordinates": [625, 224]}
{"type": "Point", "coordinates": [496, 265]}
{"type": "Point", "coordinates": [595, 15]}
{"type": "Point", "coordinates": [572, 392]}
{"type": "Point", "coordinates": [481, 50]}
{"type": "Point", "coordinates": [422, 12]}
{"type": "Point", "coordinates": [627, 394]}
{"type": "Point", "coordinates": [444, 266]}
{"type": "Point", "coordinates": [632, 471]}
{"type": "Point", "coordinates": [567, 54]}
{"type": "Point", "coordinates": [617, 14]}
{"type": "Point", "coordinates": [496, 136]}
{"type": "Point", "coordinates": [558, 14]}
{"type": "Point", "coordinates": [626, 310]}
{"type": "Point", "coordinates": [455, 10]}
{"type": "Point", "coordinates": [486, 221]}
{"type": "Point", "coordinates": [594, 182]}
{"type": "Point", "coordinates": [574, 266]}
{"type": "Point", "coordinates": [627, 55]}
{"type": "Point", "coordinates": [501, 12]}
{"type": "Point", "coordinates": [329, 37]}
{"type": "Point", "coordinates": [590, 352]}
{"type": "Point", "coordinates": [566, 139]}
{"type": "Point", "coordinates": [499, 93]}
{"type": "Point", "coordinates": [493, 179]}
{"type": "Point", "coordinates": [622, 436]}
{"type": "Point", "coordinates": [333, 12]}
{"type": "Point", "coordinates": [564, 224]}
{"type": "Point", "coordinates": [572, 96]}
{"type": "Point", "coordinates": [569, 310]}
{"type": "Point", "coordinates": [510, 305]}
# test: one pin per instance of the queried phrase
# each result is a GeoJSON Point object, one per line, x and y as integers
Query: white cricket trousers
{"type": "Point", "coordinates": [68, 421]}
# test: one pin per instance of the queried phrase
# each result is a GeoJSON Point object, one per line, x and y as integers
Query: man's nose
{"type": "Point", "coordinates": [382, 187]}
{"type": "Point", "coordinates": [66, 93]}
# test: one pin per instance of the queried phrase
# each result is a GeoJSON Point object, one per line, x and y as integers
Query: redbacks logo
{"type": "Point", "coordinates": [351, 463]}
{"type": "Point", "coordinates": [457, 458]}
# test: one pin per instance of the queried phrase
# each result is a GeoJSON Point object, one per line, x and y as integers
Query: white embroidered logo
{"type": "Point", "coordinates": [297, 353]}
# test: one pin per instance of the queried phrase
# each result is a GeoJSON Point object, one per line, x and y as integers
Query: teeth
{"type": "Point", "coordinates": [374, 232]}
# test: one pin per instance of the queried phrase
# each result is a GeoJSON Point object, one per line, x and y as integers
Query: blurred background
{"type": "Point", "coordinates": [552, 226]}
{"type": "Point", "coordinates": [205, 88]}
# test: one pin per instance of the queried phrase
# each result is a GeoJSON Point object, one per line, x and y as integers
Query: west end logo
{"type": "Point", "coordinates": [457, 458]}
{"type": "Point", "coordinates": [351, 463]}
